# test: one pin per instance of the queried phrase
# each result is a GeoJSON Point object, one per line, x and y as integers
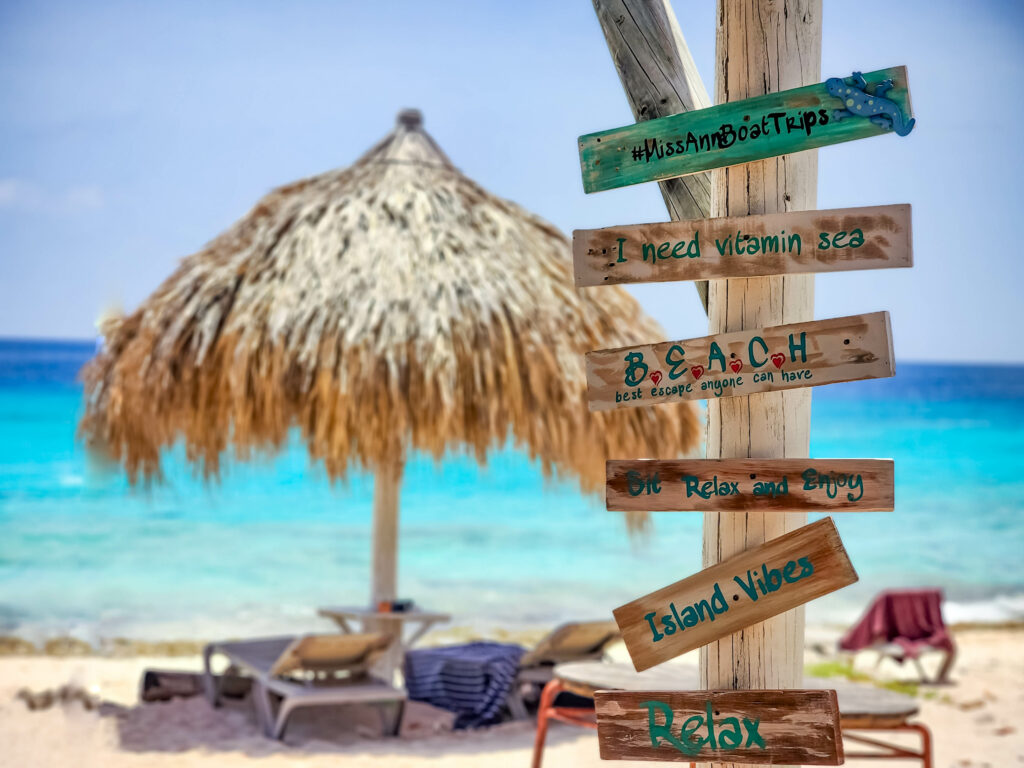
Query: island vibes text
{"type": "Point", "coordinates": [752, 586]}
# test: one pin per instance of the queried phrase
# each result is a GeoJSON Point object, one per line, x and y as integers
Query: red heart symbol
{"type": "Point", "coordinates": [697, 371]}
{"type": "Point", "coordinates": [656, 377]}
{"type": "Point", "coordinates": [735, 365]}
{"type": "Point", "coordinates": [778, 358]}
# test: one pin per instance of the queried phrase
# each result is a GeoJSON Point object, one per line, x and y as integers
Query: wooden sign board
{"type": "Point", "coordinates": [764, 727]}
{"type": "Point", "coordinates": [842, 239]}
{"type": "Point", "coordinates": [838, 110]}
{"type": "Point", "coordinates": [739, 485]}
{"type": "Point", "coordinates": [752, 586]}
{"type": "Point", "coordinates": [742, 362]}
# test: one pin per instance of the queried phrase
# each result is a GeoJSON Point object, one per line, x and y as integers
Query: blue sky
{"type": "Point", "coordinates": [132, 133]}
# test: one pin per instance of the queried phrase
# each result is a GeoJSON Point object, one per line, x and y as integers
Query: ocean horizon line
{"type": "Point", "coordinates": [58, 341]}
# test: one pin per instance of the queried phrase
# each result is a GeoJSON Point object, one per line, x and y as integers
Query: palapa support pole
{"type": "Point", "coordinates": [387, 484]}
{"type": "Point", "coordinates": [660, 79]}
{"type": "Point", "coordinates": [762, 46]}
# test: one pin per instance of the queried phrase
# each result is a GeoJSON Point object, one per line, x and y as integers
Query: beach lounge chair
{"type": "Point", "coordinates": [902, 624]}
{"type": "Point", "coordinates": [307, 671]}
{"type": "Point", "coordinates": [573, 641]}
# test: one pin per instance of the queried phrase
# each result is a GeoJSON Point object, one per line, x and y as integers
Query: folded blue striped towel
{"type": "Point", "coordinates": [471, 680]}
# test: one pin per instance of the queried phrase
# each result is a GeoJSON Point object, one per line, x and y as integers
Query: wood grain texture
{"type": "Point", "coordinates": [610, 158]}
{"type": "Point", "coordinates": [801, 566]}
{"type": "Point", "coordinates": [761, 47]}
{"type": "Point", "coordinates": [772, 726]}
{"type": "Point", "coordinates": [742, 363]}
{"type": "Point", "coordinates": [741, 485]}
{"type": "Point", "coordinates": [875, 237]}
{"type": "Point", "coordinates": [660, 78]}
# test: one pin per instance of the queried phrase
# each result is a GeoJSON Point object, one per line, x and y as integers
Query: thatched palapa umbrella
{"type": "Point", "coordinates": [386, 307]}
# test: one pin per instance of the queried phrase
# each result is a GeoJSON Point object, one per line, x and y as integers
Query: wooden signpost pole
{"type": "Point", "coordinates": [660, 79]}
{"type": "Point", "coordinates": [762, 47]}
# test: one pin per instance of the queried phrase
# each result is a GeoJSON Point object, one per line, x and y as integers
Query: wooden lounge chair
{"type": "Point", "coordinates": [572, 641]}
{"type": "Point", "coordinates": [307, 671]}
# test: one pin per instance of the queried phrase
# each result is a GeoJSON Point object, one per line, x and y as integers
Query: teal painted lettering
{"type": "Point", "coordinates": [620, 241]}
{"type": "Point", "coordinates": [710, 738]}
{"type": "Point", "coordinates": [654, 630]}
{"type": "Point", "coordinates": [648, 248]}
{"type": "Point", "coordinates": [635, 482]}
{"type": "Point", "coordinates": [692, 487]}
{"type": "Point", "coordinates": [690, 618]}
{"type": "Point", "coordinates": [718, 603]}
{"type": "Point", "coordinates": [750, 352]}
{"type": "Point", "coordinates": [856, 238]}
{"type": "Point", "coordinates": [794, 240]}
{"type": "Point", "coordinates": [668, 624]}
{"type": "Point", "coordinates": [731, 738]}
{"type": "Point", "coordinates": [770, 244]}
{"type": "Point", "coordinates": [686, 736]}
{"type": "Point", "coordinates": [806, 568]}
{"type": "Point", "coordinates": [724, 245]}
{"type": "Point", "coordinates": [823, 242]}
{"type": "Point", "coordinates": [857, 484]}
{"type": "Point", "coordinates": [679, 621]}
{"type": "Point", "coordinates": [753, 737]}
{"type": "Point", "coordinates": [747, 587]}
{"type": "Point", "coordinates": [675, 363]}
{"type": "Point", "coordinates": [663, 730]}
{"type": "Point", "coordinates": [636, 368]}
{"type": "Point", "coordinates": [704, 610]}
{"type": "Point", "coordinates": [693, 251]}
{"type": "Point", "coordinates": [716, 354]}
{"type": "Point", "coordinates": [802, 346]}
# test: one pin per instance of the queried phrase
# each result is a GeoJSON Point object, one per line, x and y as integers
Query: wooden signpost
{"type": "Point", "coordinates": [791, 727]}
{"type": "Point", "coordinates": [838, 110]}
{"type": "Point", "coordinates": [744, 589]}
{"type": "Point", "coordinates": [740, 485]}
{"type": "Point", "coordinates": [745, 246]}
{"type": "Point", "coordinates": [739, 609]}
{"type": "Point", "coordinates": [742, 363]}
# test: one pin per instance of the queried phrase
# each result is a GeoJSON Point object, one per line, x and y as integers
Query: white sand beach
{"type": "Point", "coordinates": [974, 721]}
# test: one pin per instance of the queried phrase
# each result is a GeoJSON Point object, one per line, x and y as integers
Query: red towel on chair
{"type": "Point", "coordinates": [911, 618]}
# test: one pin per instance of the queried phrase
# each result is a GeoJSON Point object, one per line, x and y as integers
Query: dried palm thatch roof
{"type": "Point", "coordinates": [389, 306]}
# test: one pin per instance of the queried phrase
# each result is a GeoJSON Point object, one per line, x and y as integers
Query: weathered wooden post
{"type": "Point", "coordinates": [762, 46]}
{"type": "Point", "coordinates": [660, 78]}
{"type": "Point", "coordinates": [759, 250]}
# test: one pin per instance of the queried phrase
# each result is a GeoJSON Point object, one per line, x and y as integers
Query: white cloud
{"type": "Point", "coordinates": [25, 195]}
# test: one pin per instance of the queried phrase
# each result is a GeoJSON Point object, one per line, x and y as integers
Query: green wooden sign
{"type": "Point", "coordinates": [838, 110]}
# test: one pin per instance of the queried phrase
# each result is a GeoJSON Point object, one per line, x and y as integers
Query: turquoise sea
{"type": "Point", "coordinates": [81, 552]}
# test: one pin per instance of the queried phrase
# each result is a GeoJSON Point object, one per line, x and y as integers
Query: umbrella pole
{"type": "Point", "coordinates": [387, 483]}
{"type": "Point", "coordinates": [386, 487]}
